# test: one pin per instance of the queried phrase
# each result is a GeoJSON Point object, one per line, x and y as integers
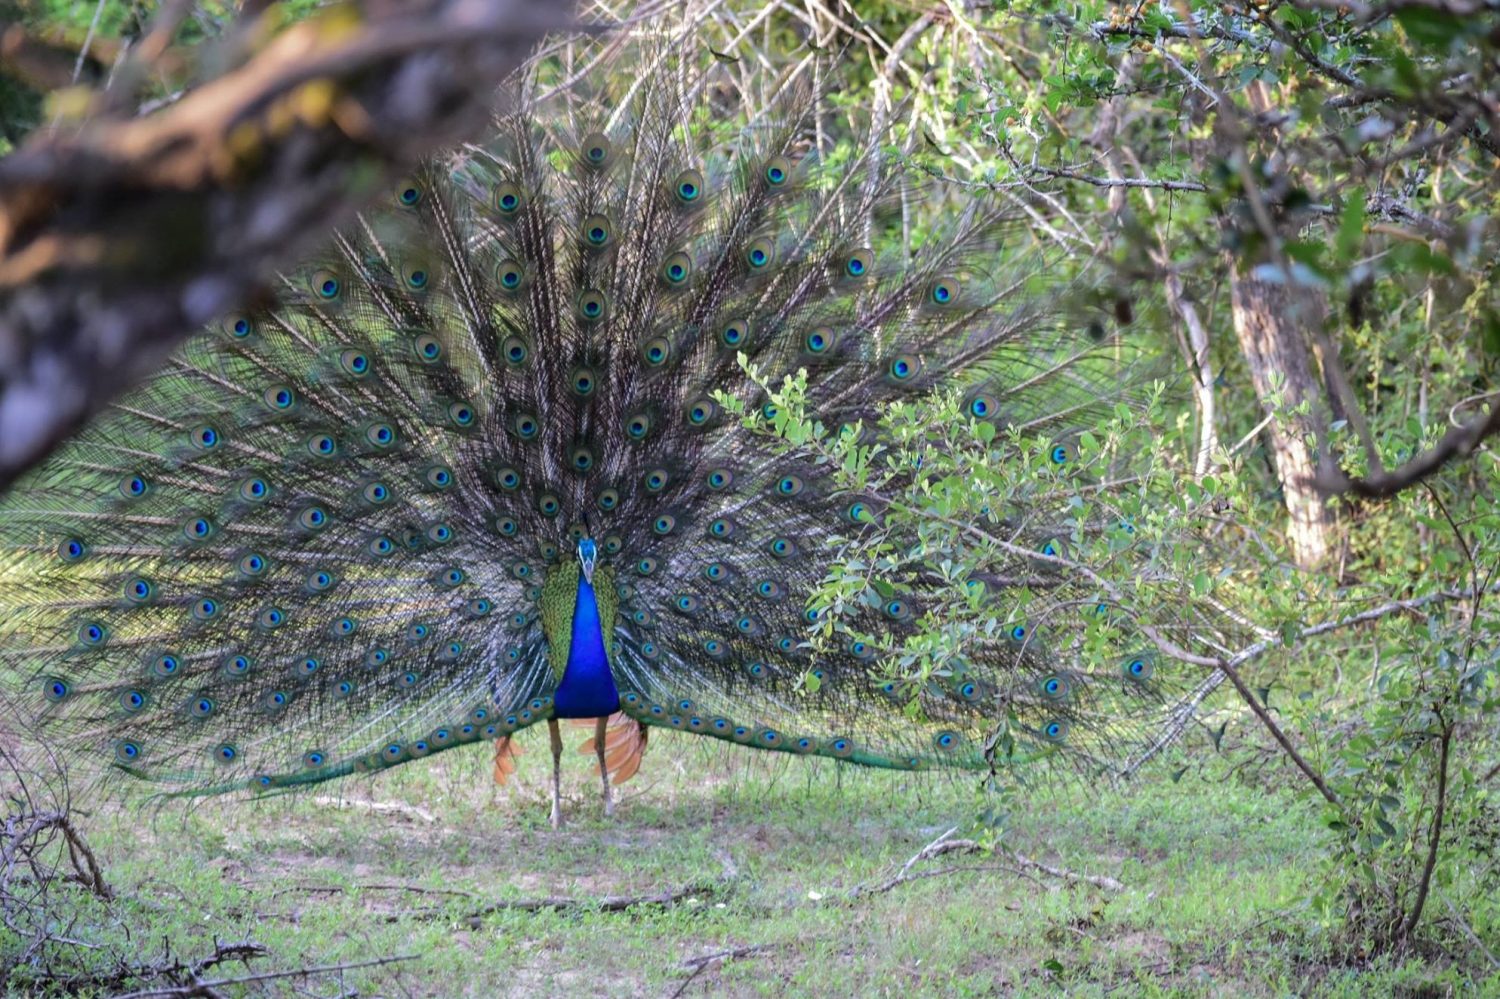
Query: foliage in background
{"type": "Point", "coordinates": [1344, 158]}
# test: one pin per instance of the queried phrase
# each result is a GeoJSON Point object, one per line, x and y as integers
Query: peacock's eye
{"type": "Point", "coordinates": [656, 351]}
{"type": "Point", "coordinates": [237, 327]}
{"type": "Point", "coordinates": [325, 285]}
{"type": "Point", "coordinates": [943, 291]}
{"type": "Point", "coordinates": [508, 198]}
{"type": "Point", "coordinates": [592, 305]}
{"type": "Point", "coordinates": [735, 333]}
{"type": "Point", "coordinates": [355, 363]}
{"type": "Point", "coordinates": [702, 411]}
{"type": "Point", "coordinates": [688, 187]}
{"type": "Point", "coordinates": [597, 231]}
{"type": "Point", "coordinates": [279, 398]}
{"type": "Point", "coordinates": [777, 170]}
{"type": "Point", "coordinates": [760, 254]}
{"type": "Point", "coordinates": [204, 438]}
{"type": "Point", "coordinates": [858, 263]}
{"type": "Point", "coordinates": [509, 274]}
{"type": "Point", "coordinates": [596, 149]}
{"type": "Point", "coordinates": [819, 340]}
{"type": "Point", "coordinates": [676, 269]}
{"type": "Point", "coordinates": [417, 276]}
{"type": "Point", "coordinates": [461, 415]}
{"type": "Point", "coordinates": [903, 368]}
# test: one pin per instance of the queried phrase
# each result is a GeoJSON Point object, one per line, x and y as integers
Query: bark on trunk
{"type": "Point", "coordinates": [1269, 320]}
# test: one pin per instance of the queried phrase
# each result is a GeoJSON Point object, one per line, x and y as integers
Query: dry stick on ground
{"type": "Point", "coordinates": [169, 968]}
{"type": "Point", "coordinates": [211, 987]}
{"type": "Point", "coordinates": [121, 235]}
{"type": "Point", "coordinates": [559, 903]}
{"type": "Point", "coordinates": [697, 965]}
{"type": "Point", "coordinates": [943, 844]}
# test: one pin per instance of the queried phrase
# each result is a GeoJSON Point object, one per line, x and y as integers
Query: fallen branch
{"type": "Point", "coordinates": [1101, 881]}
{"type": "Point", "coordinates": [169, 968]}
{"type": "Point", "coordinates": [558, 903]}
{"type": "Point", "coordinates": [698, 964]}
{"type": "Point", "coordinates": [725, 955]}
{"type": "Point", "coordinates": [944, 845]}
{"type": "Point", "coordinates": [207, 987]}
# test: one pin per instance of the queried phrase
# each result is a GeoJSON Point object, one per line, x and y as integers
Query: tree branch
{"type": "Point", "coordinates": [1458, 442]}
{"type": "Point", "coordinates": [121, 235]}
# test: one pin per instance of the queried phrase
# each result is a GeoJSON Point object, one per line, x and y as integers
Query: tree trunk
{"type": "Point", "coordinates": [1269, 320]}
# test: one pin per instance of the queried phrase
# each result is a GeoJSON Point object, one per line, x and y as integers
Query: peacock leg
{"type": "Point", "coordinates": [600, 731]}
{"type": "Point", "coordinates": [557, 748]}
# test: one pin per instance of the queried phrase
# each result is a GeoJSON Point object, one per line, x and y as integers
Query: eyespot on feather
{"type": "Point", "coordinates": [687, 188]}
{"type": "Point", "coordinates": [595, 150]}
{"type": "Point", "coordinates": [508, 199]}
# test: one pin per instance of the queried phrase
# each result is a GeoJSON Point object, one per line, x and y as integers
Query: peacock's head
{"type": "Point", "coordinates": [588, 555]}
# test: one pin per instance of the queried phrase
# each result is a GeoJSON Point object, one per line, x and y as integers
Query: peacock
{"type": "Point", "coordinates": [496, 458]}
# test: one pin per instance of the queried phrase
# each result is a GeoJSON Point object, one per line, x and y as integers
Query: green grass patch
{"type": "Point", "coordinates": [764, 851]}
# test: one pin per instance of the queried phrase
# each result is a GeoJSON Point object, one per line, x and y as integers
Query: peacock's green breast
{"type": "Point", "coordinates": [558, 600]}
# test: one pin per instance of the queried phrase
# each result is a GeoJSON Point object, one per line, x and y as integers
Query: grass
{"type": "Point", "coordinates": [770, 849]}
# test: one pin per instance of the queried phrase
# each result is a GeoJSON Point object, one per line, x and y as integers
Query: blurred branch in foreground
{"type": "Point", "coordinates": [122, 233]}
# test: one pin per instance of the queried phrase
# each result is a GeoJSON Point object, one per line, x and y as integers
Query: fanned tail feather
{"type": "Point", "coordinates": [315, 543]}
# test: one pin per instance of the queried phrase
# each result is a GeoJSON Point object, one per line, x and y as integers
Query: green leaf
{"type": "Point", "coordinates": [1430, 26]}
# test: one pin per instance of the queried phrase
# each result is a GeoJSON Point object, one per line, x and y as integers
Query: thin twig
{"type": "Point", "coordinates": [697, 965]}
{"type": "Point", "coordinates": [196, 988]}
{"type": "Point", "coordinates": [560, 903]}
{"type": "Point", "coordinates": [943, 844]}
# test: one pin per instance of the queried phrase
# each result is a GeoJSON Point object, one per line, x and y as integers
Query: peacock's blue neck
{"type": "Point", "coordinates": [587, 688]}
